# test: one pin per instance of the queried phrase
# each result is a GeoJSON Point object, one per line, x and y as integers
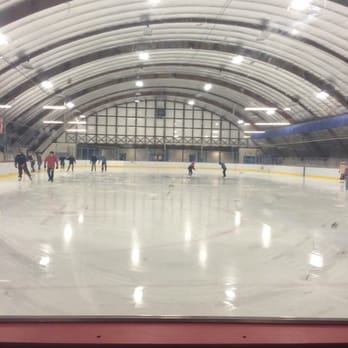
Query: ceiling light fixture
{"type": "Point", "coordinates": [53, 122]}
{"type": "Point", "coordinates": [54, 107]}
{"type": "Point", "coordinates": [254, 132]}
{"type": "Point", "coordinates": [272, 123]}
{"type": "Point", "coordinates": [144, 56]}
{"type": "Point", "coordinates": [287, 109]}
{"type": "Point", "coordinates": [259, 109]}
{"type": "Point", "coordinates": [3, 40]}
{"type": "Point", "coordinates": [46, 84]}
{"type": "Point", "coordinates": [270, 112]}
{"type": "Point", "coordinates": [300, 5]}
{"type": "Point", "coordinates": [77, 122]}
{"type": "Point", "coordinates": [294, 32]}
{"type": "Point", "coordinates": [139, 83]}
{"type": "Point", "coordinates": [237, 60]}
{"type": "Point", "coordinates": [207, 87]}
{"type": "Point", "coordinates": [76, 130]}
{"type": "Point", "coordinates": [240, 121]}
{"type": "Point", "coordinates": [82, 116]}
{"type": "Point", "coordinates": [322, 95]}
{"type": "Point", "coordinates": [246, 124]}
{"type": "Point", "coordinates": [70, 105]}
{"type": "Point", "coordinates": [191, 102]}
{"type": "Point", "coordinates": [5, 106]}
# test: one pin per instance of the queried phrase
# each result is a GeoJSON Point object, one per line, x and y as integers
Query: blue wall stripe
{"type": "Point", "coordinates": [307, 127]}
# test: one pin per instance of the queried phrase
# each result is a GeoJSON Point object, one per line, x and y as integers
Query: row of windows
{"type": "Point", "coordinates": [122, 121]}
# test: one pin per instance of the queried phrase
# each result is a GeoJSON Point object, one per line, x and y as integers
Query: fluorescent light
{"type": "Point", "coordinates": [207, 87]}
{"type": "Point", "coordinates": [54, 107]}
{"type": "Point", "coordinates": [144, 56]}
{"type": "Point", "coordinates": [287, 109]}
{"type": "Point", "coordinates": [246, 137]}
{"type": "Point", "coordinates": [139, 83]}
{"type": "Point", "coordinates": [136, 101]}
{"type": "Point", "coordinates": [237, 60]}
{"type": "Point", "coordinates": [259, 109]}
{"type": "Point", "coordinates": [70, 105]}
{"type": "Point", "coordinates": [3, 40]}
{"type": "Point", "coordinates": [53, 122]}
{"type": "Point", "coordinates": [254, 132]}
{"type": "Point", "coordinates": [271, 124]}
{"type": "Point", "coordinates": [247, 124]}
{"type": "Point", "coordinates": [191, 102]}
{"type": "Point", "coordinates": [322, 95]}
{"type": "Point", "coordinates": [240, 121]}
{"type": "Point", "coordinates": [77, 122]}
{"type": "Point", "coordinates": [270, 112]}
{"type": "Point", "coordinates": [300, 5]}
{"type": "Point", "coordinates": [46, 84]}
{"type": "Point", "coordinates": [294, 32]}
{"type": "Point", "coordinates": [75, 130]}
{"type": "Point", "coordinates": [82, 116]}
{"type": "Point", "coordinates": [5, 106]}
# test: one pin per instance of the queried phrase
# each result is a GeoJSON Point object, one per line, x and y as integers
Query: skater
{"type": "Point", "coordinates": [32, 162]}
{"type": "Point", "coordinates": [190, 168]}
{"type": "Point", "coordinates": [102, 159]}
{"type": "Point", "coordinates": [342, 169]}
{"type": "Point", "coordinates": [93, 161]}
{"type": "Point", "coordinates": [50, 163]}
{"type": "Point", "coordinates": [224, 168]}
{"type": "Point", "coordinates": [20, 162]}
{"type": "Point", "coordinates": [62, 162]}
{"type": "Point", "coordinates": [71, 160]}
{"type": "Point", "coordinates": [39, 161]}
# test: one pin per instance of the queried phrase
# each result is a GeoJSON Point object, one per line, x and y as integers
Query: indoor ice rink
{"type": "Point", "coordinates": [150, 89]}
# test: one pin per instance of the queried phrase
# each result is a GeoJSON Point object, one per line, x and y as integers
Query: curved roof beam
{"type": "Point", "coordinates": [188, 44]}
{"type": "Point", "coordinates": [193, 66]}
{"type": "Point", "coordinates": [26, 8]}
{"type": "Point", "coordinates": [176, 76]}
{"type": "Point", "coordinates": [218, 21]}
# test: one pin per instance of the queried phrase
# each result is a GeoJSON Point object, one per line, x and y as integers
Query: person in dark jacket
{"type": "Point", "coordinates": [20, 163]}
{"type": "Point", "coordinates": [224, 168]}
{"type": "Point", "coordinates": [39, 161]}
{"type": "Point", "coordinates": [190, 168]}
{"type": "Point", "coordinates": [62, 162]}
{"type": "Point", "coordinates": [72, 161]}
{"type": "Point", "coordinates": [32, 162]}
{"type": "Point", "coordinates": [102, 159]}
{"type": "Point", "coordinates": [93, 161]}
{"type": "Point", "coordinates": [51, 162]}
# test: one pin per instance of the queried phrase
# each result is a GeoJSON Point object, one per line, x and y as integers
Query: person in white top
{"type": "Point", "coordinates": [342, 170]}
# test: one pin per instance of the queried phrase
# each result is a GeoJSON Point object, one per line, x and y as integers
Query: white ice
{"type": "Point", "coordinates": [145, 242]}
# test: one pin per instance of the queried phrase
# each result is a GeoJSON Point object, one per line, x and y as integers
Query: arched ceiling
{"type": "Point", "coordinates": [89, 50]}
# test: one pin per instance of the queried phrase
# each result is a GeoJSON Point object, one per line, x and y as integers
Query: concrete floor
{"type": "Point", "coordinates": [142, 242]}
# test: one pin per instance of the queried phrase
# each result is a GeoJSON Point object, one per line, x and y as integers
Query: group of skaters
{"type": "Point", "coordinates": [51, 162]}
{"type": "Point", "coordinates": [192, 167]}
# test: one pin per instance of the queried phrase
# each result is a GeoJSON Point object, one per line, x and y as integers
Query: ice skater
{"type": "Point", "coordinates": [72, 161]}
{"type": "Point", "coordinates": [62, 162]}
{"type": "Point", "coordinates": [39, 161]}
{"type": "Point", "coordinates": [93, 161]}
{"type": "Point", "coordinates": [51, 162]}
{"type": "Point", "coordinates": [342, 170]}
{"type": "Point", "coordinates": [32, 162]}
{"type": "Point", "coordinates": [20, 163]}
{"type": "Point", "coordinates": [190, 168]}
{"type": "Point", "coordinates": [102, 159]}
{"type": "Point", "coordinates": [224, 168]}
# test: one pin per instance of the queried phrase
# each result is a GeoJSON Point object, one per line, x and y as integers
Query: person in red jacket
{"type": "Point", "coordinates": [51, 162]}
